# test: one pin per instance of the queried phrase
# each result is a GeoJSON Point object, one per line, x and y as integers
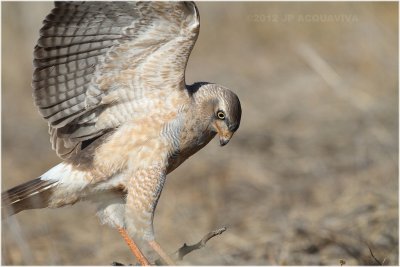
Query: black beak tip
{"type": "Point", "coordinates": [223, 142]}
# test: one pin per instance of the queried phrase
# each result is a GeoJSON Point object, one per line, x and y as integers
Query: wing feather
{"type": "Point", "coordinates": [99, 64]}
{"type": "Point", "coordinates": [59, 41]}
{"type": "Point", "coordinates": [71, 50]}
{"type": "Point", "coordinates": [40, 83]}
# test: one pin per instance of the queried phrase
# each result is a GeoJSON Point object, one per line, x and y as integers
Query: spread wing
{"type": "Point", "coordinates": [98, 64]}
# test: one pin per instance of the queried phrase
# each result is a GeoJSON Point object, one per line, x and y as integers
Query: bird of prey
{"type": "Point", "coordinates": [109, 78]}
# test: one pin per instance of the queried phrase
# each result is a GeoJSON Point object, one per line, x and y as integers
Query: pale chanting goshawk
{"type": "Point", "coordinates": [109, 78]}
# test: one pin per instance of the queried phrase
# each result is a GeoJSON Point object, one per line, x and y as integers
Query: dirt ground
{"type": "Point", "coordinates": [311, 176]}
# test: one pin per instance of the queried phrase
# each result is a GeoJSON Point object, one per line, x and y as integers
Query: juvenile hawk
{"type": "Point", "coordinates": [110, 80]}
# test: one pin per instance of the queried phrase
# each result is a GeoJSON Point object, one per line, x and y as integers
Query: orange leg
{"type": "Point", "coordinates": [134, 248]}
{"type": "Point", "coordinates": [167, 259]}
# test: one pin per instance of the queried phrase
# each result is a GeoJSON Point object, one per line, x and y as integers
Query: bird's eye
{"type": "Point", "coordinates": [221, 115]}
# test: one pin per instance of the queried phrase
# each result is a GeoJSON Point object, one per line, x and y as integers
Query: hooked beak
{"type": "Point", "coordinates": [224, 139]}
{"type": "Point", "coordinates": [224, 133]}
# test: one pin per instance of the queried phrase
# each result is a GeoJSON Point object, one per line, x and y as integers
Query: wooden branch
{"type": "Point", "coordinates": [185, 249]}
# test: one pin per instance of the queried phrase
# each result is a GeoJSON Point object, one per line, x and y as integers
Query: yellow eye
{"type": "Point", "coordinates": [221, 115]}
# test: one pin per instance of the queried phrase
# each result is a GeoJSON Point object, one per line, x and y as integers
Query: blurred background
{"type": "Point", "coordinates": [311, 176]}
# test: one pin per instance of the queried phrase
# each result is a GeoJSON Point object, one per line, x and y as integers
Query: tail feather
{"type": "Point", "coordinates": [33, 194]}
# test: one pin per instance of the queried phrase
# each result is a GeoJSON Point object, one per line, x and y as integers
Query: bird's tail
{"type": "Point", "coordinates": [34, 194]}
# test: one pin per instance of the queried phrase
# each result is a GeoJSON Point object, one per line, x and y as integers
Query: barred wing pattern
{"type": "Point", "coordinates": [98, 64]}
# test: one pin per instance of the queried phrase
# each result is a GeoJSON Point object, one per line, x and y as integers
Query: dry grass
{"type": "Point", "coordinates": [311, 177]}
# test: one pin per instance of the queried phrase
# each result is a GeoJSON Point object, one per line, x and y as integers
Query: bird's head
{"type": "Point", "coordinates": [226, 114]}
{"type": "Point", "coordinates": [223, 108]}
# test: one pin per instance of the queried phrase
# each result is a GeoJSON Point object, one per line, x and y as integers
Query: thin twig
{"type": "Point", "coordinates": [372, 254]}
